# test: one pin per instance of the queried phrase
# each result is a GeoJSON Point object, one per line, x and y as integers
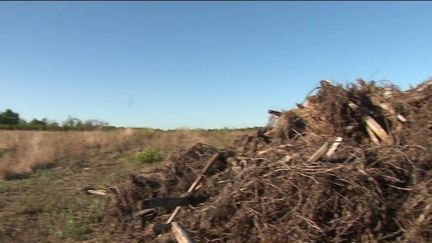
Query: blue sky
{"type": "Point", "coordinates": [199, 64]}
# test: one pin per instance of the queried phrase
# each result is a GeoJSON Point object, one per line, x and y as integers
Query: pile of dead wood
{"type": "Point", "coordinates": [350, 164]}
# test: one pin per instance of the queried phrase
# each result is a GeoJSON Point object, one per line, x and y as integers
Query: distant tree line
{"type": "Point", "coordinates": [11, 120]}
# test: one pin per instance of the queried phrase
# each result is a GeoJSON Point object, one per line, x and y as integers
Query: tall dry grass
{"type": "Point", "coordinates": [23, 151]}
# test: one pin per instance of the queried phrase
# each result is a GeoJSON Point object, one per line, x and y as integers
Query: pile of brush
{"type": "Point", "coordinates": [350, 164]}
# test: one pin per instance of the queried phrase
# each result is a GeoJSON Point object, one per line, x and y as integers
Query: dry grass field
{"type": "Point", "coordinates": [43, 174]}
{"type": "Point", "coordinates": [23, 151]}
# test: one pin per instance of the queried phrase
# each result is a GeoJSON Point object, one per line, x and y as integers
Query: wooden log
{"type": "Point", "coordinates": [194, 184]}
{"type": "Point", "coordinates": [161, 228]}
{"type": "Point", "coordinates": [319, 153]}
{"type": "Point", "coordinates": [180, 234]}
{"type": "Point", "coordinates": [193, 199]}
{"type": "Point", "coordinates": [166, 202]}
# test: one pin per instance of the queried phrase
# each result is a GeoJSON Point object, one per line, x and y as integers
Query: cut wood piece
{"type": "Point", "coordinates": [167, 202]}
{"type": "Point", "coordinates": [199, 178]}
{"type": "Point", "coordinates": [262, 152]}
{"type": "Point", "coordinates": [349, 128]}
{"type": "Point", "coordinates": [352, 105]}
{"type": "Point", "coordinates": [372, 136]}
{"type": "Point", "coordinates": [401, 118]}
{"type": "Point", "coordinates": [374, 127]}
{"type": "Point", "coordinates": [161, 228]}
{"type": "Point", "coordinates": [399, 127]}
{"type": "Point", "coordinates": [270, 133]}
{"type": "Point", "coordinates": [194, 184]}
{"type": "Point", "coordinates": [97, 192]}
{"type": "Point", "coordinates": [285, 159]}
{"type": "Point", "coordinates": [319, 153]}
{"type": "Point", "coordinates": [378, 130]}
{"type": "Point", "coordinates": [173, 214]}
{"type": "Point", "coordinates": [387, 92]}
{"type": "Point", "coordinates": [143, 212]}
{"type": "Point", "coordinates": [193, 199]}
{"type": "Point", "coordinates": [388, 108]}
{"type": "Point", "coordinates": [275, 113]}
{"type": "Point", "coordinates": [265, 151]}
{"type": "Point", "coordinates": [180, 234]}
{"type": "Point", "coordinates": [334, 146]}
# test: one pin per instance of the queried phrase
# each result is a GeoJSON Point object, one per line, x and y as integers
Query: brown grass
{"type": "Point", "coordinates": [23, 151]}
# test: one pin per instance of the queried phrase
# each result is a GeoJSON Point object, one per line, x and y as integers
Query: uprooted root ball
{"type": "Point", "coordinates": [284, 184]}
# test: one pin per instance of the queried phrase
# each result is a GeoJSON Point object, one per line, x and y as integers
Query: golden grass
{"type": "Point", "coordinates": [23, 151]}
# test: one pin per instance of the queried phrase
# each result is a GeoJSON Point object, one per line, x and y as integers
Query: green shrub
{"type": "Point", "coordinates": [2, 151]}
{"type": "Point", "coordinates": [80, 219]}
{"type": "Point", "coordinates": [147, 156]}
{"type": "Point", "coordinates": [3, 187]}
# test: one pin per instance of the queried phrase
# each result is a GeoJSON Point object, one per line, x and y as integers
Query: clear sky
{"type": "Point", "coordinates": [200, 64]}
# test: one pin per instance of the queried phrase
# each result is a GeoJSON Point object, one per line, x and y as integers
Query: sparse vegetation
{"type": "Point", "coordinates": [3, 187]}
{"type": "Point", "coordinates": [24, 151]}
{"type": "Point", "coordinates": [148, 156]}
{"type": "Point", "coordinates": [54, 167]}
{"type": "Point", "coordinates": [78, 223]}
